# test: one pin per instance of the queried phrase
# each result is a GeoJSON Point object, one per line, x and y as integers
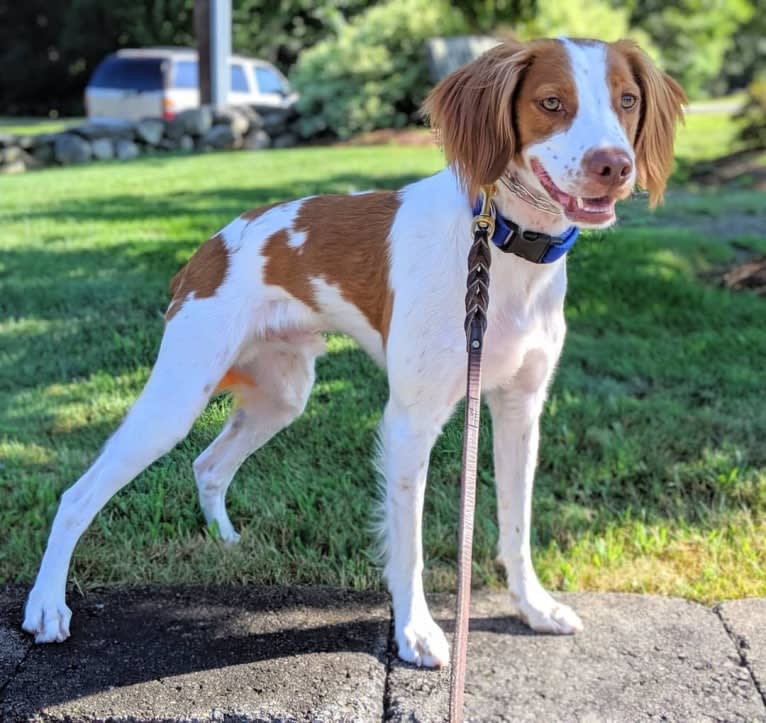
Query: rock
{"type": "Point", "coordinates": [196, 121]}
{"type": "Point", "coordinates": [235, 118]}
{"type": "Point", "coordinates": [43, 152]}
{"type": "Point", "coordinates": [175, 128]}
{"type": "Point", "coordinates": [70, 148]}
{"type": "Point", "coordinates": [150, 130]}
{"type": "Point", "coordinates": [252, 116]}
{"type": "Point", "coordinates": [220, 137]}
{"type": "Point", "coordinates": [103, 149]}
{"type": "Point", "coordinates": [11, 169]}
{"type": "Point", "coordinates": [186, 143]}
{"type": "Point", "coordinates": [10, 154]}
{"type": "Point", "coordinates": [21, 162]}
{"type": "Point", "coordinates": [255, 140]}
{"type": "Point", "coordinates": [43, 139]}
{"type": "Point", "coordinates": [101, 129]}
{"type": "Point", "coordinates": [7, 139]}
{"type": "Point", "coordinates": [126, 150]}
{"type": "Point", "coordinates": [274, 121]}
{"type": "Point", "coordinates": [285, 140]}
{"type": "Point", "coordinates": [25, 142]}
{"type": "Point", "coordinates": [294, 126]}
{"type": "Point", "coordinates": [169, 144]}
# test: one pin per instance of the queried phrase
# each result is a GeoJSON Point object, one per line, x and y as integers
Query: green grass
{"type": "Point", "coordinates": [705, 136]}
{"type": "Point", "coordinates": [653, 468]}
{"type": "Point", "coordinates": [33, 126]}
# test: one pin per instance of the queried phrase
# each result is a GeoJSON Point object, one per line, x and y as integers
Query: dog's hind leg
{"type": "Point", "coordinates": [196, 350]}
{"type": "Point", "coordinates": [271, 391]}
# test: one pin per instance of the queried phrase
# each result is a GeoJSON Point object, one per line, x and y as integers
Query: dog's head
{"type": "Point", "coordinates": [579, 122]}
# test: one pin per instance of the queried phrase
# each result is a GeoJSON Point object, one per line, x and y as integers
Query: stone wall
{"type": "Point", "coordinates": [198, 129]}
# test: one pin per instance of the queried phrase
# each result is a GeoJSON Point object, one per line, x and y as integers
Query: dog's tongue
{"type": "Point", "coordinates": [584, 210]}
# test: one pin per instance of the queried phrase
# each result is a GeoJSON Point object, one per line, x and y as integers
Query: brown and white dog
{"type": "Point", "coordinates": [564, 128]}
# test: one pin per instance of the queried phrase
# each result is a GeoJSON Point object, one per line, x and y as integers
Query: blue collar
{"type": "Point", "coordinates": [540, 248]}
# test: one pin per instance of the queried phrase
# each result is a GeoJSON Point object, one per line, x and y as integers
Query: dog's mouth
{"type": "Point", "coordinates": [579, 210]}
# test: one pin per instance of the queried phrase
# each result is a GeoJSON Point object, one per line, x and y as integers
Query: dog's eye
{"type": "Point", "coordinates": [628, 101]}
{"type": "Point", "coordinates": [551, 104]}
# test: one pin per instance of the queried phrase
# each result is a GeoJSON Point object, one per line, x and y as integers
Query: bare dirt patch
{"type": "Point", "coordinates": [747, 276]}
{"type": "Point", "coordinates": [733, 168]}
{"type": "Point", "coordinates": [396, 136]}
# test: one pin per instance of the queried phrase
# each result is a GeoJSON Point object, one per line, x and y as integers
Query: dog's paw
{"type": "Point", "coordinates": [225, 532]}
{"type": "Point", "coordinates": [423, 643]}
{"type": "Point", "coordinates": [544, 615]}
{"type": "Point", "coordinates": [230, 538]}
{"type": "Point", "coordinates": [47, 620]}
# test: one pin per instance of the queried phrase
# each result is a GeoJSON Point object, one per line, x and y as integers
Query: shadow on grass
{"type": "Point", "coordinates": [227, 201]}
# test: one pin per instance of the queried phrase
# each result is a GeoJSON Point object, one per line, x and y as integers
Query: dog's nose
{"type": "Point", "coordinates": [608, 167]}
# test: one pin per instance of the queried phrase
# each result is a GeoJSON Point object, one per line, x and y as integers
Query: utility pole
{"type": "Point", "coordinates": [220, 50]}
{"type": "Point", "coordinates": [202, 33]}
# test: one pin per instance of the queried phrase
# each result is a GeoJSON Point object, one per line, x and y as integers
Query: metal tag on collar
{"type": "Point", "coordinates": [485, 219]}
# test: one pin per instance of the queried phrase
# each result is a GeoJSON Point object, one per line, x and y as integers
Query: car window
{"type": "Point", "coordinates": [238, 79]}
{"type": "Point", "coordinates": [185, 74]}
{"type": "Point", "coordinates": [268, 81]}
{"type": "Point", "coordinates": [143, 74]}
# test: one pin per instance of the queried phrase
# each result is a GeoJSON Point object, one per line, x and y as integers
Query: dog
{"type": "Point", "coordinates": [564, 129]}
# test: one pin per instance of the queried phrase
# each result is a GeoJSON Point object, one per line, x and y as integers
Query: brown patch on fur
{"type": "Point", "coordinates": [285, 267]}
{"type": "Point", "coordinates": [620, 78]}
{"type": "Point", "coordinates": [202, 275]}
{"type": "Point", "coordinates": [549, 74]}
{"type": "Point", "coordinates": [234, 378]}
{"type": "Point", "coordinates": [661, 109]}
{"type": "Point", "coordinates": [488, 110]}
{"type": "Point", "coordinates": [346, 245]}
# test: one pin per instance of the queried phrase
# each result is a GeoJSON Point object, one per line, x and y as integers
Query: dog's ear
{"type": "Point", "coordinates": [471, 111]}
{"type": "Point", "coordinates": [662, 101]}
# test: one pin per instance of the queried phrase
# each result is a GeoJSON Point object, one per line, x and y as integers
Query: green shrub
{"type": "Point", "coordinates": [753, 114]}
{"type": "Point", "coordinates": [373, 73]}
{"type": "Point", "coordinates": [693, 36]}
{"type": "Point", "coordinates": [584, 19]}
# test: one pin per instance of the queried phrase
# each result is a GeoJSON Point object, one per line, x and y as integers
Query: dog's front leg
{"type": "Point", "coordinates": [515, 416]}
{"type": "Point", "coordinates": [407, 435]}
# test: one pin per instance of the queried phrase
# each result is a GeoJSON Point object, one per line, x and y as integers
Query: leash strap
{"type": "Point", "coordinates": [476, 303]}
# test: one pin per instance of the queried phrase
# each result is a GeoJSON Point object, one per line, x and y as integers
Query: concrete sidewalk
{"type": "Point", "coordinates": [316, 654]}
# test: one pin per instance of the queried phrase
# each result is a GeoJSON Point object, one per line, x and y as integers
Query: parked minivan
{"type": "Point", "coordinates": [148, 82]}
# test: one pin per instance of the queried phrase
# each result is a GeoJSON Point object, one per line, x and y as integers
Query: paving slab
{"type": "Point", "coordinates": [639, 658]}
{"type": "Point", "coordinates": [745, 621]}
{"type": "Point", "coordinates": [203, 654]}
{"type": "Point", "coordinates": [14, 645]}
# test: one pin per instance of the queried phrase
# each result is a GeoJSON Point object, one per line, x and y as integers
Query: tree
{"type": "Point", "coordinates": [691, 35]}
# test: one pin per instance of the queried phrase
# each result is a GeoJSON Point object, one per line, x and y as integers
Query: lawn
{"type": "Point", "coordinates": [32, 126]}
{"type": "Point", "coordinates": [652, 474]}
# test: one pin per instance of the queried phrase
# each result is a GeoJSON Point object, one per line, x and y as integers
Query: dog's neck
{"type": "Point", "coordinates": [527, 207]}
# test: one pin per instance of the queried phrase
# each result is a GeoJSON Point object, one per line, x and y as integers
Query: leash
{"type": "Point", "coordinates": [476, 303]}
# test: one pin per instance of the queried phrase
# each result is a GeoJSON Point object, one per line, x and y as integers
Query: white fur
{"type": "Point", "coordinates": [275, 338]}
